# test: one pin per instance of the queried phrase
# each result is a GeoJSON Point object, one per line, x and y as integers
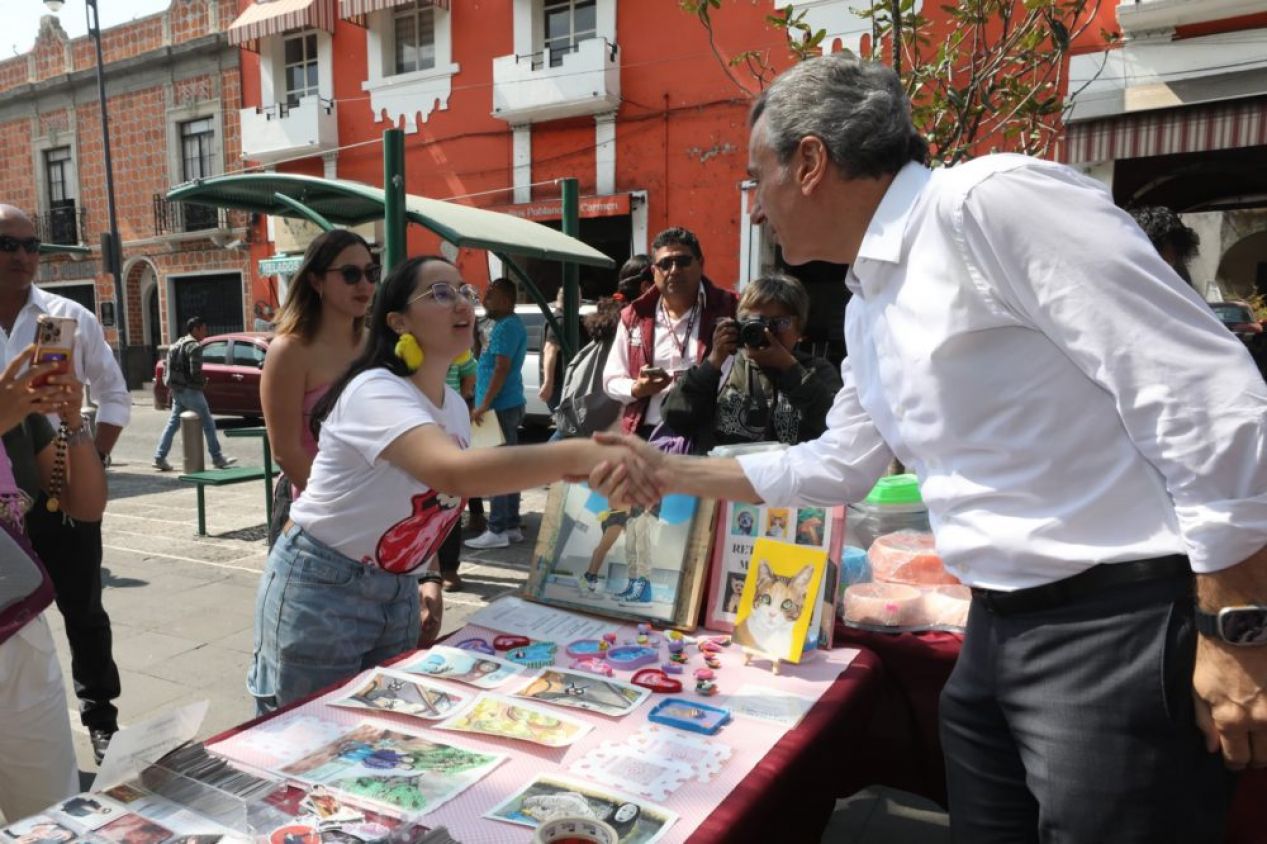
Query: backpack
{"type": "Point", "coordinates": [584, 407]}
{"type": "Point", "coordinates": [177, 362]}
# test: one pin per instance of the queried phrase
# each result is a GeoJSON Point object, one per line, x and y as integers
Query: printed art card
{"type": "Point", "coordinates": [86, 811]}
{"type": "Point", "coordinates": [704, 755]}
{"type": "Point", "coordinates": [475, 669]}
{"type": "Point", "coordinates": [492, 715]}
{"type": "Point", "coordinates": [780, 598]}
{"type": "Point", "coordinates": [628, 768]}
{"type": "Point", "coordinates": [401, 773]}
{"type": "Point", "coordinates": [584, 690]}
{"type": "Point", "coordinates": [635, 820]}
{"type": "Point", "coordinates": [406, 694]}
{"type": "Point", "coordinates": [767, 704]}
{"type": "Point", "coordinates": [39, 829]}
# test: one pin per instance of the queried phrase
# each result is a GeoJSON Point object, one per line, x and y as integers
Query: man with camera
{"type": "Point", "coordinates": [665, 331]}
{"type": "Point", "coordinates": [755, 385]}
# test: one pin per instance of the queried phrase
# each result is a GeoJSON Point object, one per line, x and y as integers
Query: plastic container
{"type": "Point", "coordinates": [894, 504]}
{"type": "Point", "coordinates": [908, 556]}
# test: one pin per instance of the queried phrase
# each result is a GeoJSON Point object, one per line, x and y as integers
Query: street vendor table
{"type": "Point", "coordinates": [262, 434]}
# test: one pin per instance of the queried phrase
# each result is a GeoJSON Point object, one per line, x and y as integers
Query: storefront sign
{"type": "Point", "coordinates": [615, 205]}
{"type": "Point", "coordinates": [280, 265]}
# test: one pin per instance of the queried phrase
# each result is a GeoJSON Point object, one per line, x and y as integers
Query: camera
{"type": "Point", "coordinates": [752, 332]}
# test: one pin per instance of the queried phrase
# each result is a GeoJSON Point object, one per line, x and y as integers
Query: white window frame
{"type": "Point", "coordinates": [305, 61]}
{"type": "Point", "coordinates": [573, 37]}
{"type": "Point", "coordinates": [408, 98]}
{"type": "Point", "coordinates": [414, 12]}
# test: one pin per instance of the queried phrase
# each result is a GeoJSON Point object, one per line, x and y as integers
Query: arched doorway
{"type": "Point", "coordinates": [1243, 267]}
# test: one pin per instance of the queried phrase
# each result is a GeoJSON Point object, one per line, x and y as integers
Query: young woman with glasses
{"type": "Point", "coordinates": [319, 331]}
{"type": "Point", "coordinates": [341, 589]}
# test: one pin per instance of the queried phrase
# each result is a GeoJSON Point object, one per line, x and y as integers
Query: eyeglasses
{"type": "Point", "coordinates": [11, 244]}
{"type": "Point", "coordinates": [775, 324]}
{"type": "Point", "coordinates": [353, 275]}
{"type": "Point", "coordinates": [446, 294]}
{"type": "Point", "coordinates": [668, 262]}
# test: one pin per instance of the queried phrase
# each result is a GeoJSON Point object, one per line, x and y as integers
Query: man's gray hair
{"type": "Point", "coordinates": [781, 290]}
{"type": "Point", "coordinates": [857, 108]}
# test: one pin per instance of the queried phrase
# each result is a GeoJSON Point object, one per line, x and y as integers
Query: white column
{"type": "Point", "coordinates": [605, 152]}
{"type": "Point", "coordinates": [330, 165]}
{"type": "Point", "coordinates": [522, 162]}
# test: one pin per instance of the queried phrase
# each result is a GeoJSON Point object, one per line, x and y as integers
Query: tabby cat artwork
{"type": "Point", "coordinates": [779, 597]}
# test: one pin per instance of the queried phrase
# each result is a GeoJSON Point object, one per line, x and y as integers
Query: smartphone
{"type": "Point", "coordinates": [54, 343]}
{"type": "Point", "coordinates": [654, 372]}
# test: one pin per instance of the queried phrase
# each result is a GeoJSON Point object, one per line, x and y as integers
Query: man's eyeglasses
{"type": "Point", "coordinates": [11, 244]}
{"type": "Point", "coordinates": [446, 294]}
{"type": "Point", "coordinates": [668, 262]}
{"type": "Point", "coordinates": [353, 275]}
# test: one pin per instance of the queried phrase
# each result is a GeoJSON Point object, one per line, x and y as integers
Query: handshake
{"type": "Point", "coordinates": [626, 470]}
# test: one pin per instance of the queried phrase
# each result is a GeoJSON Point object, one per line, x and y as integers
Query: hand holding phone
{"type": "Point", "coordinates": [54, 343]}
{"type": "Point", "coordinates": [651, 380]}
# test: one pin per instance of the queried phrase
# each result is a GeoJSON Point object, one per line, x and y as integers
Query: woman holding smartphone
{"type": "Point", "coordinates": [320, 329]}
{"type": "Point", "coordinates": [340, 592]}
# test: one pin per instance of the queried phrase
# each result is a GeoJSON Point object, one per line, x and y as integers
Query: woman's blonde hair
{"type": "Point", "coordinates": [300, 314]}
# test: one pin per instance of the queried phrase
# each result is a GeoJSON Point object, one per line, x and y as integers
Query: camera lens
{"type": "Point", "coordinates": [752, 333]}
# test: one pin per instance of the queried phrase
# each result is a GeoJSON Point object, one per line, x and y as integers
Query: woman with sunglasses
{"type": "Point", "coordinates": [319, 332]}
{"type": "Point", "coordinates": [340, 592]}
{"type": "Point", "coordinates": [755, 385]}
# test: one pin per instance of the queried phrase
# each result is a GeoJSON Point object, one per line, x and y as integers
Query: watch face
{"type": "Point", "coordinates": [1244, 625]}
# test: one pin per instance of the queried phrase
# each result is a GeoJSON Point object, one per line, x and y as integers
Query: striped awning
{"type": "Point", "coordinates": [264, 18]}
{"type": "Point", "coordinates": [357, 8]}
{"type": "Point", "coordinates": [1203, 128]}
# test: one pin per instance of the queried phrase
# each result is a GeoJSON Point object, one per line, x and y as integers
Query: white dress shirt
{"type": "Point", "coordinates": [667, 354]}
{"type": "Point", "coordinates": [95, 364]}
{"type": "Point", "coordinates": [1063, 396]}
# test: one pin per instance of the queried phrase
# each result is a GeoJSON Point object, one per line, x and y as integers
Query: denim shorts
{"type": "Point", "coordinates": [321, 617]}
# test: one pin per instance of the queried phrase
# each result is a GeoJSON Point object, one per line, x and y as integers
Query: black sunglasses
{"type": "Point", "coordinates": [353, 275]}
{"type": "Point", "coordinates": [668, 262]}
{"type": "Point", "coordinates": [11, 244]}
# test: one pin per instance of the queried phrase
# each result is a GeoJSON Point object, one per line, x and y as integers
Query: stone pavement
{"type": "Point", "coordinates": [182, 606]}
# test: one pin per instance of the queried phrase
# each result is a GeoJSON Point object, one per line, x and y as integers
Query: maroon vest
{"type": "Point", "coordinates": [639, 320]}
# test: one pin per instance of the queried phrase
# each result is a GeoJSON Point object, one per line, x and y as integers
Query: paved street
{"type": "Point", "coordinates": [181, 607]}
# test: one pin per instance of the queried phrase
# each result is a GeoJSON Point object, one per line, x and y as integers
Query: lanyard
{"type": "Point", "coordinates": [690, 326]}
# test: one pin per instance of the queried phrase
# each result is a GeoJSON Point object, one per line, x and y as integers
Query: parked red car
{"type": "Point", "coordinates": [231, 363]}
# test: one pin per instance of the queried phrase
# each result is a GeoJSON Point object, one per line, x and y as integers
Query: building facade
{"type": "Point", "coordinates": [173, 93]}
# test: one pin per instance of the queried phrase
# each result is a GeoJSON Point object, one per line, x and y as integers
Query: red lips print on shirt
{"type": "Point", "coordinates": [414, 539]}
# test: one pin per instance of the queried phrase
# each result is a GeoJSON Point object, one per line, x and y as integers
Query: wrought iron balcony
{"type": "Point", "coordinates": [65, 225]}
{"type": "Point", "coordinates": [178, 217]}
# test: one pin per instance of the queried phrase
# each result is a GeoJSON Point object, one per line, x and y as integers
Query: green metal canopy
{"type": "Point", "coordinates": [350, 203]}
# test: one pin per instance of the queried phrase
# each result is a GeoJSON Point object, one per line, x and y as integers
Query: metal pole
{"type": "Point", "coordinates": [571, 284]}
{"type": "Point", "coordinates": [115, 247]}
{"type": "Point", "coordinates": [308, 213]}
{"type": "Point", "coordinates": [393, 198]}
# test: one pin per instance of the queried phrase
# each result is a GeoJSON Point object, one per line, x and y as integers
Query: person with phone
{"type": "Point", "coordinates": [184, 376]}
{"type": "Point", "coordinates": [665, 331]}
{"type": "Point", "coordinates": [71, 550]}
{"type": "Point", "coordinates": [755, 385]}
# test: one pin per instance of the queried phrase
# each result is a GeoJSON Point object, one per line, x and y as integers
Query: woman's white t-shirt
{"type": "Point", "coordinates": [363, 506]}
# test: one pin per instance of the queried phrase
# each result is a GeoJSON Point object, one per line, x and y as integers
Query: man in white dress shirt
{"type": "Point", "coordinates": [70, 551]}
{"type": "Point", "coordinates": [1087, 437]}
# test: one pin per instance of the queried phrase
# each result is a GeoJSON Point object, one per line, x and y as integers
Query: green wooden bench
{"type": "Point", "coordinates": [226, 477]}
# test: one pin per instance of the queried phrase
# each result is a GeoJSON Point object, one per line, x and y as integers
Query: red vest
{"type": "Point", "coordinates": [639, 316]}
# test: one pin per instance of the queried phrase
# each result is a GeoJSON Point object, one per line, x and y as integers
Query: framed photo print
{"type": "Point", "coordinates": [636, 564]}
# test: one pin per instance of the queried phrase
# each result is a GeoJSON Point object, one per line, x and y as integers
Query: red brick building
{"type": "Point", "coordinates": [173, 91]}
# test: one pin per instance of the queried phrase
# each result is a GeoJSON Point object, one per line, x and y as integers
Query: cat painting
{"type": "Point", "coordinates": [777, 604]}
{"type": "Point", "coordinates": [776, 523]}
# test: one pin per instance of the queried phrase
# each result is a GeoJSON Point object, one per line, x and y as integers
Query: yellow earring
{"type": "Point", "coordinates": [408, 350]}
{"type": "Point", "coordinates": [462, 358]}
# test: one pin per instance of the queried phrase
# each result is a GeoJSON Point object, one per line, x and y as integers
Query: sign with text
{"type": "Point", "coordinates": [615, 205]}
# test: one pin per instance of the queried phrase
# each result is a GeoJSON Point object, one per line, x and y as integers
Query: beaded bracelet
{"type": "Point", "coordinates": [58, 479]}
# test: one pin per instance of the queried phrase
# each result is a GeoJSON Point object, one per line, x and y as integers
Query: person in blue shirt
{"type": "Point", "coordinates": [499, 387]}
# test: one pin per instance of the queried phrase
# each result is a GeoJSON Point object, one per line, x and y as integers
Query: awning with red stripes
{"type": "Point", "coordinates": [357, 8]}
{"type": "Point", "coordinates": [265, 18]}
{"type": "Point", "coordinates": [1203, 128]}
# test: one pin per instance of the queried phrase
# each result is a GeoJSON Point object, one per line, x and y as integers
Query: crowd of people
{"type": "Point", "coordinates": [1102, 494]}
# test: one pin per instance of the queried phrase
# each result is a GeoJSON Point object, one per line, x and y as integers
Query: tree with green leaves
{"type": "Point", "coordinates": [990, 77]}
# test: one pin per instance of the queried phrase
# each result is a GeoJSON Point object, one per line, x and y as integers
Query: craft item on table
{"type": "Point", "coordinates": [883, 604]}
{"type": "Point", "coordinates": [636, 563]}
{"type": "Point", "coordinates": [584, 691]}
{"type": "Point", "coordinates": [85, 810]}
{"type": "Point", "coordinates": [908, 556]}
{"type": "Point", "coordinates": [610, 639]}
{"type": "Point", "coordinates": [704, 682]}
{"type": "Point", "coordinates": [513, 614]}
{"type": "Point", "coordinates": [534, 655]}
{"type": "Point", "coordinates": [474, 669]}
{"type": "Point", "coordinates": [777, 606]}
{"type": "Point", "coordinates": [549, 796]}
{"type": "Point", "coordinates": [627, 768]}
{"type": "Point", "coordinates": [689, 715]}
{"type": "Point", "coordinates": [708, 646]}
{"type": "Point", "coordinates": [407, 694]}
{"type": "Point", "coordinates": [706, 755]}
{"type": "Point", "coordinates": [328, 809]}
{"type": "Point", "coordinates": [672, 668]}
{"type": "Point", "coordinates": [593, 665]}
{"type": "Point", "coordinates": [506, 642]}
{"type": "Point", "coordinates": [39, 828]}
{"type": "Point", "coordinates": [476, 644]}
{"type": "Point", "coordinates": [767, 704]}
{"type": "Point", "coordinates": [712, 660]}
{"type": "Point", "coordinates": [656, 680]}
{"type": "Point", "coordinates": [947, 606]}
{"type": "Point", "coordinates": [679, 658]}
{"type": "Point", "coordinates": [585, 648]}
{"type": "Point", "coordinates": [273, 743]}
{"type": "Point", "coordinates": [629, 657]}
{"type": "Point", "coordinates": [334, 818]}
{"type": "Point", "coordinates": [491, 715]}
{"type": "Point", "coordinates": [295, 833]}
{"type": "Point", "coordinates": [392, 769]}
{"type": "Point", "coordinates": [674, 635]}
{"type": "Point", "coordinates": [572, 830]}
{"type": "Point", "coordinates": [131, 829]}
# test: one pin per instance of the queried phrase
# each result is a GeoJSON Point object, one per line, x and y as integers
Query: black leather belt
{"type": "Point", "coordinates": [1095, 579]}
